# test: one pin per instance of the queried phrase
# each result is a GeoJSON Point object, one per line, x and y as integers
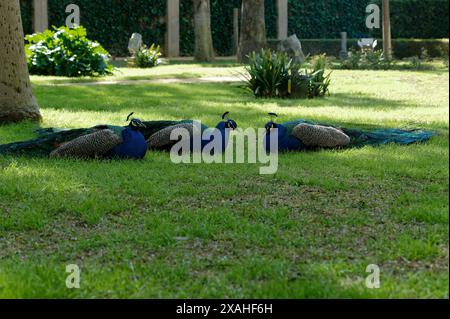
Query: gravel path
{"type": "Point", "coordinates": [217, 79]}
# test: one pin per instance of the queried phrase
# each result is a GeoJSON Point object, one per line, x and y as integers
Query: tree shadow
{"type": "Point", "coordinates": [205, 101]}
{"type": "Point", "coordinates": [215, 92]}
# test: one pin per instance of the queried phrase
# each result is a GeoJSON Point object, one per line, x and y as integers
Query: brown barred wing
{"type": "Point", "coordinates": [96, 144]}
{"type": "Point", "coordinates": [161, 139]}
{"type": "Point", "coordinates": [320, 136]}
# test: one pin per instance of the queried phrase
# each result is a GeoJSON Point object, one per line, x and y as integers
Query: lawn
{"type": "Point", "coordinates": [151, 228]}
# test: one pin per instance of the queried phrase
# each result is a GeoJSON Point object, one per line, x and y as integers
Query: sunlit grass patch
{"type": "Point", "coordinates": [152, 228]}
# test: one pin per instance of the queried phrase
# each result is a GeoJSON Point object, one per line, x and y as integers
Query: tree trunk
{"type": "Point", "coordinates": [17, 101]}
{"type": "Point", "coordinates": [387, 40]}
{"type": "Point", "coordinates": [253, 28]}
{"type": "Point", "coordinates": [203, 39]}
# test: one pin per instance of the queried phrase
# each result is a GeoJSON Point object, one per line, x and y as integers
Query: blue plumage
{"type": "Point", "coordinates": [358, 137]}
{"type": "Point", "coordinates": [132, 146]}
{"type": "Point", "coordinates": [201, 135]}
{"type": "Point", "coordinates": [224, 128]}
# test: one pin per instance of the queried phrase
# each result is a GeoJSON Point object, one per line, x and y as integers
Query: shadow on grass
{"type": "Point", "coordinates": [90, 96]}
{"type": "Point", "coordinates": [197, 101]}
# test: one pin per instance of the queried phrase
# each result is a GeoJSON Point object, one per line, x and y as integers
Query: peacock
{"type": "Point", "coordinates": [302, 134]}
{"type": "Point", "coordinates": [160, 140]}
{"type": "Point", "coordinates": [101, 141]}
{"type": "Point", "coordinates": [50, 139]}
{"type": "Point", "coordinates": [157, 133]}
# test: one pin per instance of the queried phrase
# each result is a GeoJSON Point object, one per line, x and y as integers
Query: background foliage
{"type": "Point", "coordinates": [402, 47]}
{"type": "Point", "coordinates": [112, 22]}
{"type": "Point", "coordinates": [66, 52]}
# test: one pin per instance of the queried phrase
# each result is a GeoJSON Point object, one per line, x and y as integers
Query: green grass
{"type": "Point", "coordinates": [177, 69]}
{"type": "Point", "coordinates": [155, 229]}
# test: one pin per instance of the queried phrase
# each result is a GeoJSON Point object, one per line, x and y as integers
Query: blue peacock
{"type": "Point", "coordinates": [161, 139]}
{"type": "Point", "coordinates": [108, 141]}
{"type": "Point", "coordinates": [299, 135]}
{"type": "Point", "coordinates": [102, 141]}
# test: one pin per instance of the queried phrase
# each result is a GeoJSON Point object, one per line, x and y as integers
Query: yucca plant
{"type": "Point", "coordinates": [269, 73]}
{"type": "Point", "coordinates": [147, 57]}
{"type": "Point", "coordinates": [320, 81]}
{"type": "Point", "coordinates": [273, 74]}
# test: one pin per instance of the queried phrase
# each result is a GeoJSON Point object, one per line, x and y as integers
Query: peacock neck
{"type": "Point", "coordinates": [224, 133]}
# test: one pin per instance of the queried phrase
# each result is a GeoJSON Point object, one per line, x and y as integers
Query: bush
{"type": "Point", "coordinates": [327, 18]}
{"type": "Point", "coordinates": [66, 52]}
{"type": "Point", "coordinates": [366, 60]}
{"type": "Point", "coordinates": [402, 48]}
{"type": "Point", "coordinates": [273, 74]}
{"type": "Point", "coordinates": [147, 57]}
{"type": "Point", "coordinates": [320, 81]}
{"type": "Point", "coordinates": [405, 48]}
{"type": "Point", "coordinates": [112, 26]}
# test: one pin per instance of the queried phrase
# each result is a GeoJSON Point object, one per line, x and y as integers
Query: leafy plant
{"type": "Point", "coordinates": [273, 74]}
{"type": "Point", "coordinates": [424, 55]}
{"type": "Point", "coordinates": [147, 19]}
{"type": "Point", "coordinates": [66, 52]}
{"type": "Point", "coordinates": [320, 81]}
{"type": "Point", "coordinates": [367, 60]}
{"type": "Point", "coordinates": [147, 57]}
{"type": "Point", "coordinates": [415, 63]}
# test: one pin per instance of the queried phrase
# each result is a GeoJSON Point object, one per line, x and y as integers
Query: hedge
{"type": "Point", "coordinates": [26, 10]}
{"type": "Point", "coordinates": [402, 48]}
{"type": "Point", "coordinates": [222, 19]}
{"type": "Point", "coordinates": [112, 22]}
{"type": "Point", "coordinates": [327, 18]}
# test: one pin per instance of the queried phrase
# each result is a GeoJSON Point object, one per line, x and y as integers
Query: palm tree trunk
{"type": "Point", "coordinates": [17, 101]}
{"type": "Point", "coordinates": [203, 39]}
{"type": "Point", "coordinates": [253, 28]}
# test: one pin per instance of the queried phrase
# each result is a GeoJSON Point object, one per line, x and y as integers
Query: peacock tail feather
{"type": "Point", "coordinates": [50, 139]}
{"type": "Point", "coordinates": [362, 137]}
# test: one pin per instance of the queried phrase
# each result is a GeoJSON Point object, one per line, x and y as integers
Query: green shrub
{"type": "Point", "coordinates": [147, 57]}
{"type": "Point", "coordinates": [320, 81]}
{"type": "Point", "coordinates": [415, 63]}
{"type": "Point", "coordinates": [273, 74]}
{"type": "Point", "coordinates": [403, 48]}
{"type": "Point", "coordinates": [418, 63]}
{"type": "Point", "coordinates": [318, 19]}
{"type": "Point", "coordinates": [66, 52]}
{"type": "Point", "coordinates": [366, 60]}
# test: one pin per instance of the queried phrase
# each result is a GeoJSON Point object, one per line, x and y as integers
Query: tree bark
{"type": "Point", "coordinates": [17, 101]}
{"type": "Point", "coordinates": [387, 40]}
{"type": "Point", "coordinates": [253, 28]}
{"type": "Point", "coordinates": [204, 50]}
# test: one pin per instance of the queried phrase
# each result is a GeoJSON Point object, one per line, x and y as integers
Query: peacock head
{"type": "Point", "coordinates": [227, 122]}
{"type": "Point", "coordinates": [135, 123]}
{"type": "Point", "coordinates": [271, 124]}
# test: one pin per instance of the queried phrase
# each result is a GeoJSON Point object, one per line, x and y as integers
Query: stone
{"type": "Point", "coordinates": [343, 54]}
{"type": "Point", "coordinates": [135, 43]}
{"type": "Point", "coordinates": [292, 47]}
{"type": "Point", "coordinates": [367, 44]}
